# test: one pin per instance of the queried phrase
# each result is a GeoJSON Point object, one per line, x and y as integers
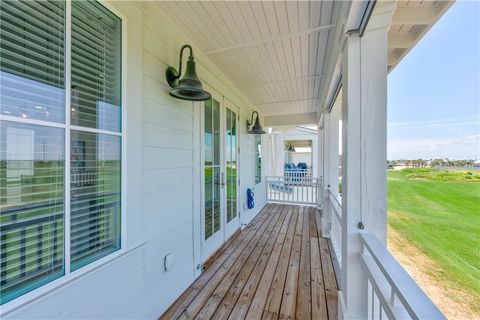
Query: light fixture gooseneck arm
{"type": "Point", "coordinates": [251, 118]}
{"type": "Point", "coordinates": [181, 58]}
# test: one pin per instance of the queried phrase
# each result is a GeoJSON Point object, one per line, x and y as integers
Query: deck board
{"type": "Point", "coordinates": [278, 267]}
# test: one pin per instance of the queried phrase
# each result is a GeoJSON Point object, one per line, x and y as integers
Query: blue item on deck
{"type": "Point", "coordinates": [250, 199]}
{"type": "Point", "coordinates": [302, 165]}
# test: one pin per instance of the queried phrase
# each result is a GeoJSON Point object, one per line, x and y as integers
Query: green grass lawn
{"type": "Point", "coordinates": [439, 212]}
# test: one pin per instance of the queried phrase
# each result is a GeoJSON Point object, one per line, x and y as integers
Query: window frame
{"type": "Point", "coordinates": [255, 152]}
{"type": "Point", "coordinates": [69, 275]}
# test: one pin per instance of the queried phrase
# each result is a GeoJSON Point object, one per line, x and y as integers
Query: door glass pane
{"type": "Point", "coordinates": [95, 196]}
{"type": "Point", "coordinates": [216, 131]}
{"type": "Point", "coordinates": [32, 42]}
{"type": "Point", "coordinates": [216, 200]}
{"type": "Point", "coordinates": [31, 206]}
{"type": "Point", "coordinates": [208, 134]}
{"type": "Point", "coordinates": [212, 167]}
{"type": "Point", "coordinates": [96, 67]}
{"type": "Point", "coordinates": [231, 164]}
{"type": "Point", "coordinates": [208, 202]}
{"type": "Point", "coordinates": [208, 174]}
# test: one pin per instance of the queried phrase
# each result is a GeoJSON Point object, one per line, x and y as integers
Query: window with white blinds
{"type": "Point", "coordinates": [32, 50]}
{"type": "Point", "coordinates": [32, 207]}
{"type": "Point", "coordinates": [95, 196]}
{"type": "Point", "coordinates": [96, 61]}
{"type": "Point", "coordinates": [35, 123]}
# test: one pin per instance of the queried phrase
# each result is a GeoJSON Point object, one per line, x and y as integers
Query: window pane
{"type": "Point", "coordinates": [96, 67]}
{"type": "Point", "coordinates": [31, 206]}
{"type": "Point", "coordinates": [95, 196]}
{"type": "Point", "coordinates": [32, 59]}
{"type": "Point", "coordinates": [208, 202]}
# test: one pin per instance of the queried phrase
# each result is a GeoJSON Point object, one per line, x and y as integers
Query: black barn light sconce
{"type": "Point", "coordinates": [257, 128]}
{"type": "Point", "coordinates": [189, 86]}
{"type": "Point", "coordinates": [291, 148]}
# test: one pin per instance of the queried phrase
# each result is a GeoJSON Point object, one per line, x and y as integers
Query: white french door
{"type": "Point", "coordinates": [220, 217]}
{"type": "Point", "coordinates": [231, 170]}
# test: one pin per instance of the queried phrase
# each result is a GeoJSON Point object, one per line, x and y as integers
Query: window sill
{"type": "Point", "coordinates": [65, 280]}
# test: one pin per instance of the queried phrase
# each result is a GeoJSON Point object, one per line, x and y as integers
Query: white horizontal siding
{"type": "Point", "coordinates": [155, 202]}
{"type": "Point", "coordinates": [69, 300]}
{"type": "Point", "coordinates": [162, 179]}
{"type": "Point", "coordinates": [156, 158]}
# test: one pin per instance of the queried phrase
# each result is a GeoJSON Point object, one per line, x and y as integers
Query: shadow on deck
{"type": "Point", "coordinates": [279, 266]}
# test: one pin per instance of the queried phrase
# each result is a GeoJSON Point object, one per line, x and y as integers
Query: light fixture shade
{"type": "Point", "coordinates": [257, 128]}
{"type": "Point", "coordinates": [189, 87]}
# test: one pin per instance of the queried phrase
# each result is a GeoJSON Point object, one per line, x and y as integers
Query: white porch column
{"type": "Point", "coordinates": [279, 154]}
{"type": "Point", "coordinates": [326, 211]}
{"type": "Point", "coordinates": [331, 167]}
{"type": "Point", "coordinates": [364, 121]}
{"type": "Point", "coordinates": [333, 148]}
{"type": "Point", "coordinates": [320, 159]}
{"type": "Point", "coordinates": [315, 168]}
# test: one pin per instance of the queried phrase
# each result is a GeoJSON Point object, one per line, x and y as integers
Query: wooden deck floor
{"type": "Point", "coordinates": [278, 267]}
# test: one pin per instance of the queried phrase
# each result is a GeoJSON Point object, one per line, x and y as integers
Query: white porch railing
{"type": "Point", "coordinates": [81, 177]}
{"type": "Point", "coordinates": [392, 293]}
{"type": "Point", "coordinates": [335, 206]}
{"type": "Point", "coordinates": [293, 190]}
{"type": "Point", "coordinates": [295, 174]}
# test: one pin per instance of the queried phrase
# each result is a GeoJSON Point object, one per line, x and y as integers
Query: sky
{"type": "Point", "coordinates": [433, 93]}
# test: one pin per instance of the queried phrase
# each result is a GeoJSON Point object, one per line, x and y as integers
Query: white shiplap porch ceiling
{"type": "Point", "coordinates": [274, 51]}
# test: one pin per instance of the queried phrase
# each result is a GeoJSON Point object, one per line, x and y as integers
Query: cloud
{"type": "Point", "coordinates": [467, 147]}
{"type": "Point", "coordinates": [435, 124]}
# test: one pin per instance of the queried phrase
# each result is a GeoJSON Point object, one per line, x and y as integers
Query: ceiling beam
{"type": "Point", "coordinates": [416, 15]}
{"type": "Point", "coordinates": [396, 40]}
{"type": "Point", "coordinates": [270, 39]}
{"type": "Point", "coordinates": [291, 119]}
{"type": "Point", "coordinates": [251, 84]}
{"type": "Point", "coordinates": [393, 58]}
{"type": "Point", "coordinates": [285, 101]}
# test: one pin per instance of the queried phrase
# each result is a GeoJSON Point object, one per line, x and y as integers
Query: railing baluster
{"type": "Point", "coordinates": [373, 303]}
{"type": "Point", "coordinates": [4, 258]}
{"type": "Point", "coordinates": [39, 247]}
{"type": "Point", "coordinates": [23, 252]}
{"type": "Point", "coordinates": [293, 188]}
{"type": "Point", "coordinates": [301, 200]}
{"type": "Point", "coordinates": [395, 293]}
{"type": "Point", "coordinates": [380, 309]}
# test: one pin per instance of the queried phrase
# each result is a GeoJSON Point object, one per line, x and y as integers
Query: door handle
{"type": "Point", "coordinates": [222, 179]}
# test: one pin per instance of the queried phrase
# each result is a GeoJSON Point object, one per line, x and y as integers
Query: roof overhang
{"type": "Point", "coordinates": [284, 56]}
{"type": "Point", "coordinates": [411, 21]}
